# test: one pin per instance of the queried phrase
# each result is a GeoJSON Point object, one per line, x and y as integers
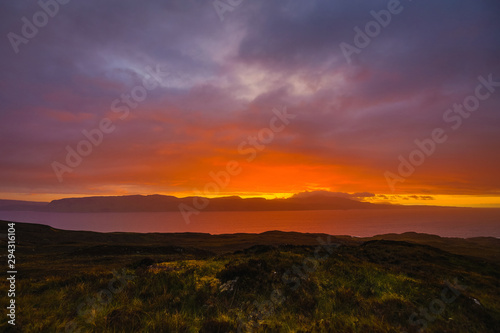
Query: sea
{"type": "Point", "coordinates": [445, 222]}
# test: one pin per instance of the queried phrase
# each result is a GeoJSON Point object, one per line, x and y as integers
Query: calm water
{"type": "Point", "coordinates": [448, 222]}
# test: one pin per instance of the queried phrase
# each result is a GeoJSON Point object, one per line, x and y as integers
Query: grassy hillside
{"type": "Point", "coordinates": [272, 282]}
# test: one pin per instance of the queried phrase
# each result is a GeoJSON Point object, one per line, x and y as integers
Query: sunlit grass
{"type": "Point", "coordinates": [354, 289]}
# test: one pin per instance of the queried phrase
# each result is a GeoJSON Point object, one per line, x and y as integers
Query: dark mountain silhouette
{"type": "Point", "coordinates": [153, 203]}
{"type": "Point", "coordinates": [48, 239]}
{"type": "Point", "coordinates": [160, 203]}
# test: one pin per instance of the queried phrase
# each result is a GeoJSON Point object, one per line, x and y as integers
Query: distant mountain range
{"type": "Point", "coordinates": [161, 203]}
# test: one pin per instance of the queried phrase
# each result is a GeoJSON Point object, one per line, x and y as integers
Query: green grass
{"type": "Point", "coordinates": [372, 287]}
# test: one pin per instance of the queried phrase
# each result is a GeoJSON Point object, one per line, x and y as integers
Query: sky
{"type": "Point", "coordinates": [400, 100]}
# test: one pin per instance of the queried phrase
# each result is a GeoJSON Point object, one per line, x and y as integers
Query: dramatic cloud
{"type": "Point", "coordinates": [221, 81]}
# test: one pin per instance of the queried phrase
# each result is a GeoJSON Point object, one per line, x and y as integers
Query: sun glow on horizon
{"type": "Point", "coordinates": [443, 200]}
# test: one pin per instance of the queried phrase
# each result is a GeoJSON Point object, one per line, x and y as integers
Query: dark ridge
{"type": "Point", "coordinates": [164, 203]}
{"type": "Point", "coordinates": [42, 238]}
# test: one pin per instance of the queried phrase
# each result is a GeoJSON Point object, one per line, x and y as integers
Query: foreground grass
{"type": "Point", "coordinates": [380, 286]}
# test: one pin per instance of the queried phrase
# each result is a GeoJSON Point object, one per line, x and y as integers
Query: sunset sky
{"type": "Point", "coordinates": [176, 93]}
